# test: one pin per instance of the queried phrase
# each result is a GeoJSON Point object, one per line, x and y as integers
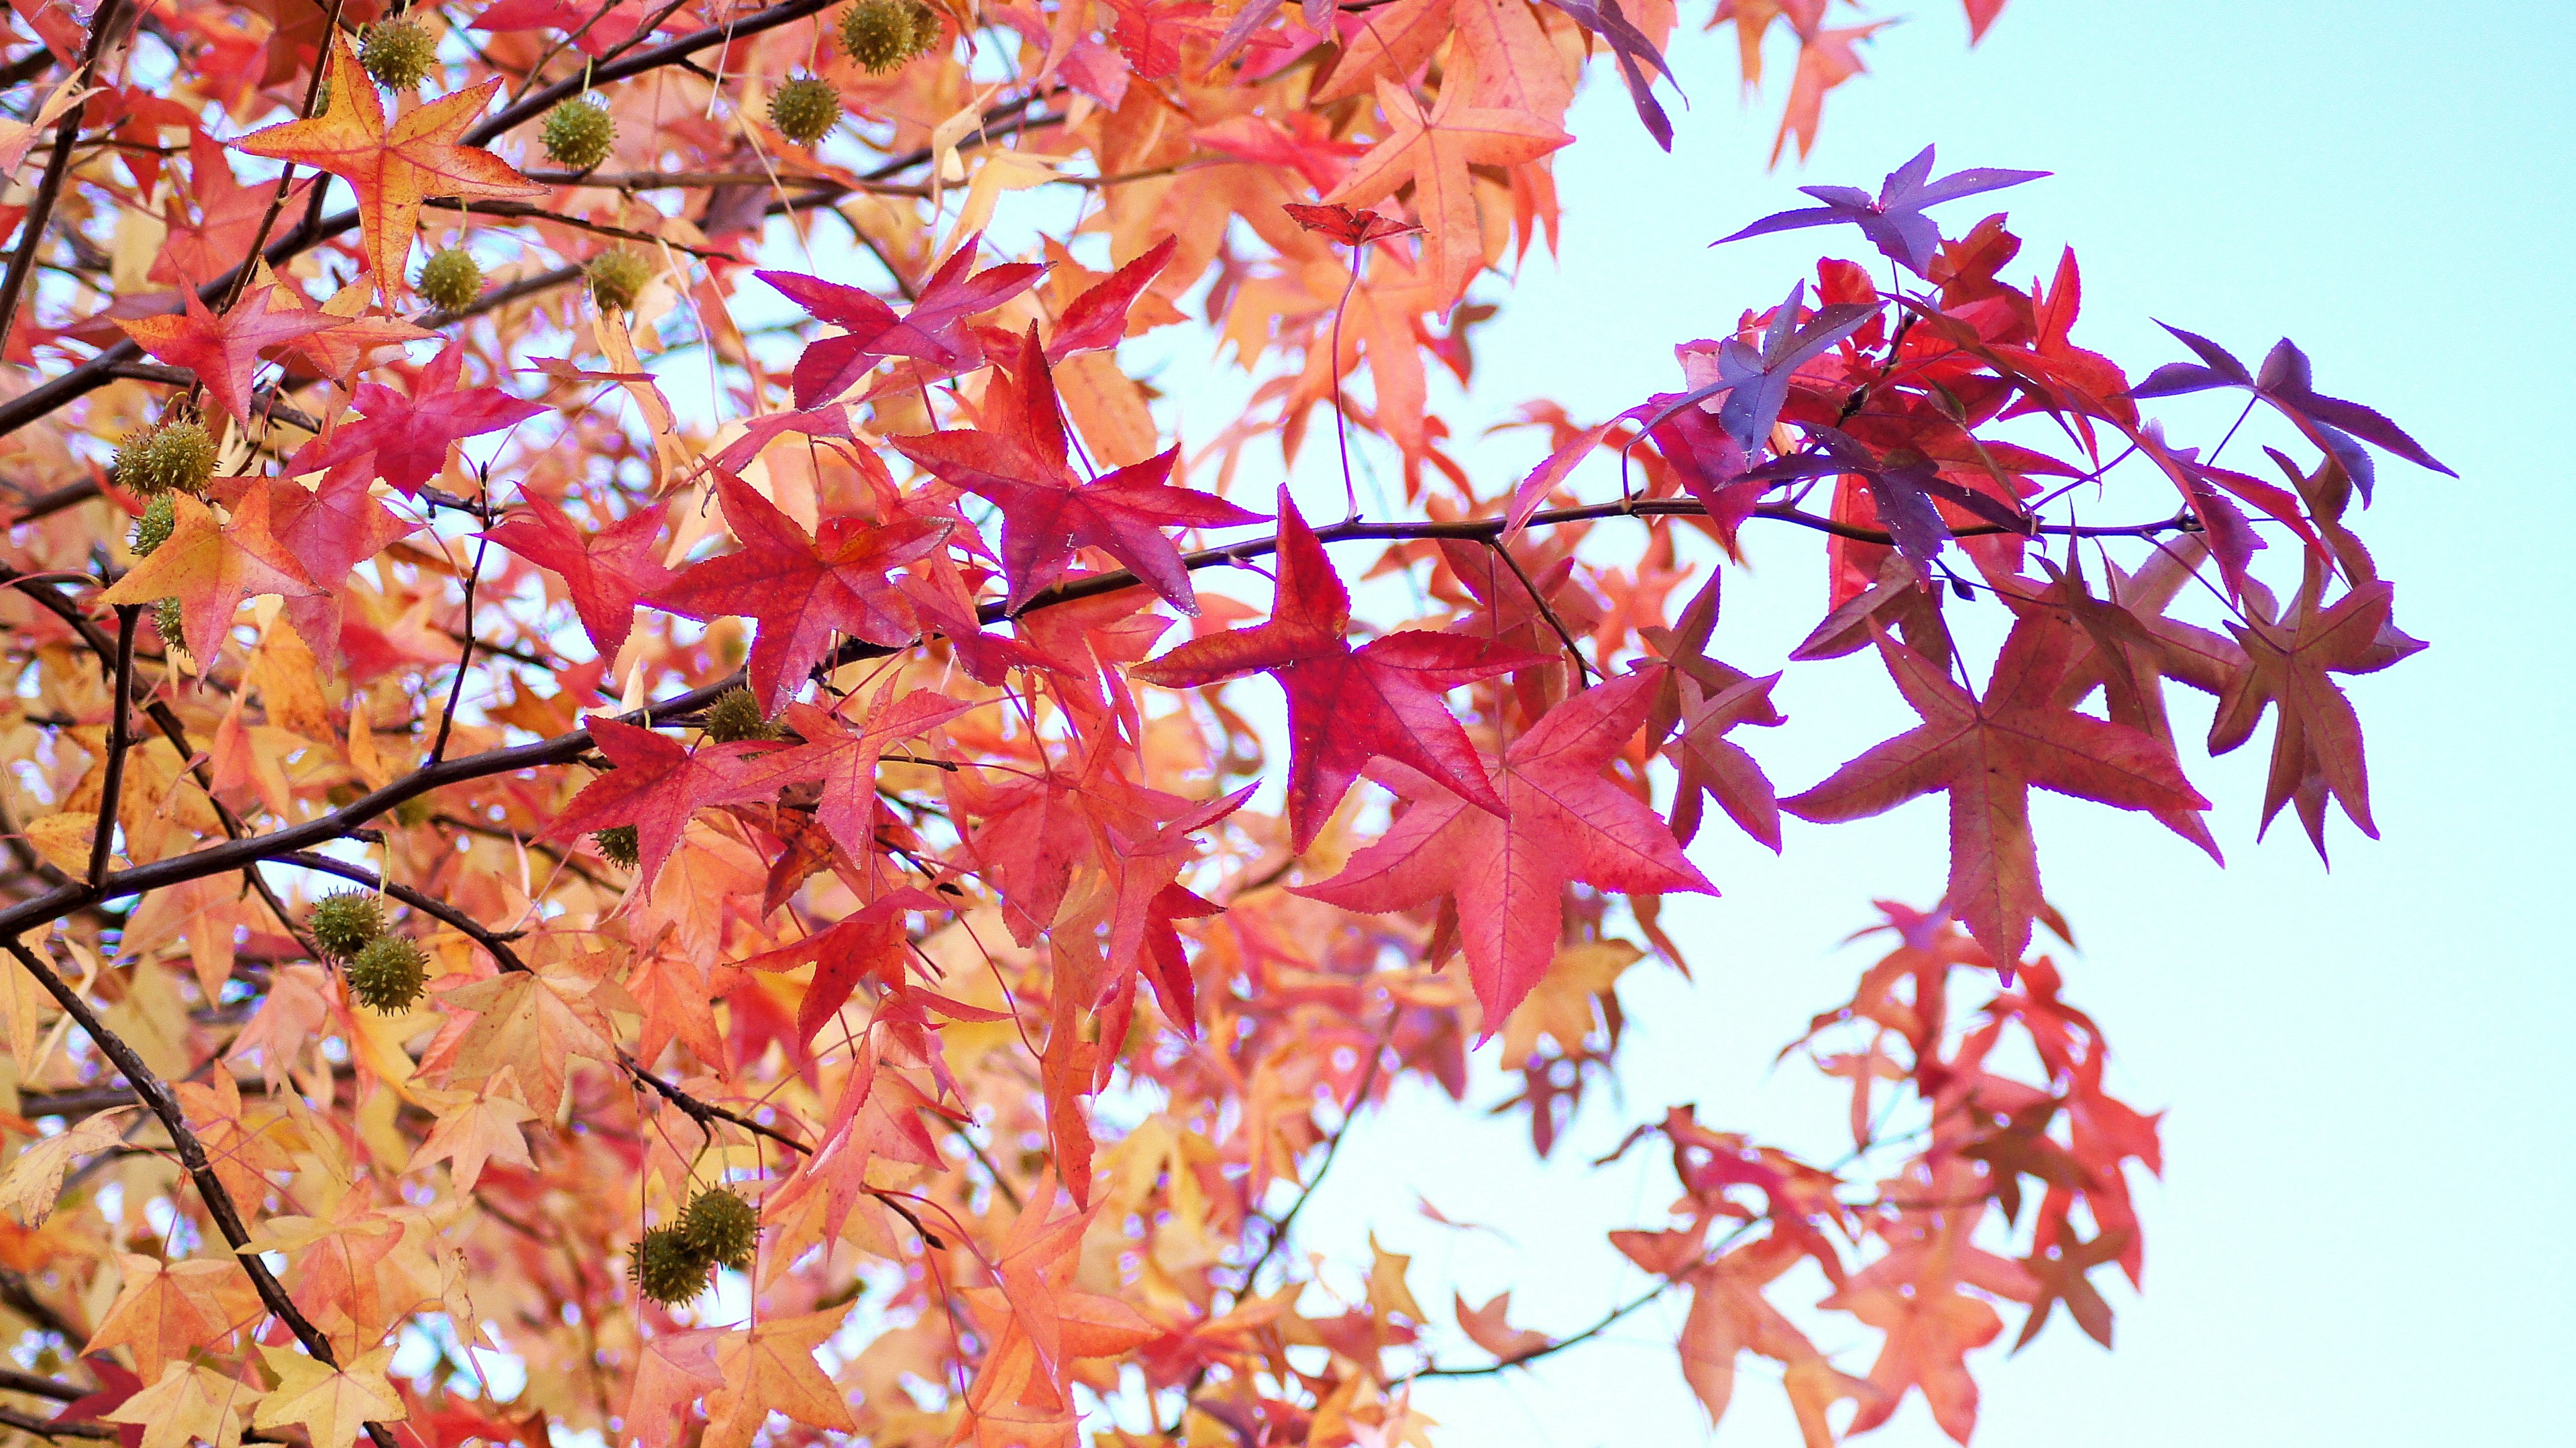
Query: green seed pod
{"type": "Point", "coordinates": [398, 53]}
{"type": "Point", "coordinates": [722, 1228]}
{"type": "Point", "coordinates": [171, 622]}
{"type": "Point", "coordinates": [925, 28]}
{"type": "Point", "coordinates": [735, 715]}
{"type": "Point", "coordinates": [666, 1268]}
{"type": "Point", "coordinates": [388, 975]}
{"type": "Point", "coordinates": [578, 134]}
{"type": "Point", "coordinates": [450, 280]}
{"type": "Point", "coordinates": [176, 457]}
{"type": "Point", "coordinates": [153, 528]}
{"type": "Point", "coordinates": [805, 109]}
{"type": "Point", "coordinates": [618, 845]}
{"type": "Point", "coordinates": [346, 922]}
{"type": "Point", "coordinates": [878, 34]}
{"type": "Point", "coordinates": [617, 278]}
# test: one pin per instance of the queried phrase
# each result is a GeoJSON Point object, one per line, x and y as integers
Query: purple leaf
{"type": "Point", "coordinates": [1636, 56]}
{"type": "Point", "coordinates": [1756, 384]}
{"type": "Point", "coordinates": [1894, 219]}
{"type": "Point", "coordinates": [2285, 382]}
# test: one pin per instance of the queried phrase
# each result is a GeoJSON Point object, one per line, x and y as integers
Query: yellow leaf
{"type": "Point", "coordinates": [771, 1369]}
{"type": "Point", "coordinates": [189, 1403]}
{"type": "Point", "coordinates": [482, 1130]}
{"type": "Point", "coordinates": [64, 840]}
{"type": "Point", "coordinates": [331, 1404]}
{"type": "Point", "coordinates": [34, 1181]}
{"type": "Point", "coordinates": [168, 1310]}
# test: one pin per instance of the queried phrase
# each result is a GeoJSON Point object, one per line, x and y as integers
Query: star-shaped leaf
{"type": "Point", "coordinates": [222, 350]}
{"type": "Point", "coordinates": [1893, 220]}
{"type": "Point", "coordinates": [657, 784]}
{"type": "Point", "coordinates": [1018, 461]}
{"type": "Point", "coordinates": [933, 330]}
{"type": "Point", "coordinates": [1988, 754]}
{"type": "Point", "coordinates": [228, 217]}
{"type": "Point", "coordinates": [210, 572]}
{"type": "Point", "coordinates": [1508, 875]}
{"type": "Point", "coordinates": [606, 572]}
{"type": "Point", "coordinates": [844, 759]}
{"type": "Point", "coordinates": [1431, 151]}
{"type": "Point", "coordinates": [393, 166]}
{"type": "Point", "coordinates": [2330, 422]}
{"type": "Point", "coordinates": [408, 438]}
{"type": "Point", "coordinates": [1346, 706]}
{"type": "Point", "coordinates": [801, 588]}
{"type": "Point", "coordinates": [1756, 384]}
{"type": "Point", "coordinates": [2318, 736]}
{"type": "Point", "coordinates": [332, 1405]}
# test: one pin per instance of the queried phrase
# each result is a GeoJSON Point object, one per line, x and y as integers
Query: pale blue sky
{"type": "Point", "coordinates": [2366, 1073]}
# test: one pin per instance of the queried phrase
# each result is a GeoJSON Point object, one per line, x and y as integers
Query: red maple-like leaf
{"type": "Point", "coordinates": [657, 784]}
{"type": "Point", "coordinates": [606, 572]}
{"type": "Point", "coordinates": [1047, 511]}
{"type": "Point", "coordinates": [1097, 320]}
{"type": "Point", "coordinates": [844, 759]}
{"type": "Point", "coordinates": [228, 217]}
{"type": "Point", "coordinates": [1988, 754]}
{"type": "Point", "coordinates": [932, 331]}
{"type": "Point", "coordinates": [211, 571]}
{"type": "Point", "coordinates": [800, 588]}
{"type": "Point", "coordinates": [1346, 706]}
{"type": "Point", "coordinates": [2316, 745]}
{"type": "Point", "coordinates": [408, 437]}
{"type": "Point", "coordinates": [222, 350]}
{"type": "Point", "coordinates": [1508, 875]}
{"type": "Point", "coordinates": [327, 530]}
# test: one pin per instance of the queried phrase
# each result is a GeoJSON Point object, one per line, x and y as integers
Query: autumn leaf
{"type": "Point", "coordinates": [607, 572]}
{"type": "Point", "coordinates": [1565, 823]}
{"type": "Point", "coordinates": [1431, 152]}
{"type": "Point", "coordinates": [406, 439]}
{"type": "Point", "coordinates": [801, 588]}
{"type": "Point", "coordinates": [1988, 754]}
{"type": "Point", "coordinates": [656, 785]}
{"type": "Point", "coordinates": [1893, 220]}
{"type": "Point", "coordinates": [221, 351]}
{"type": "Point", "coordinates": [933, 330]}
{"type": "Point", "coordinates": [190, 1402]}
{"type": "Point", "coordinates": [210, 572]}
{"type": "Point", "coordinates": [1018, 461]}
{"type": "Point", "coordinates": [228, 217]}
{"type": "Point", "coordinates": [1346, 706]}
{"type": "Point", "coordinates": [769, 1368]}
{"type": "Point", "coordinates": [2316, 742]}
{"type": "Point", "coordinates": [393, 168]}
{"type": "Point", "coordinates": [330, 1404]}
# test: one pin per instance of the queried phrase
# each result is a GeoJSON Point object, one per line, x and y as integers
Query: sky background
{"type": "Point", "coordinates": [2365, 1073]}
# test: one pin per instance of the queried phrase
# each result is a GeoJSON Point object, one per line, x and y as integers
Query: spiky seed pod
{"type": "Point", "coordinates": [735, 715]}
{"type": "Point", "coordinates": [398, 53]}
{"type": "Point", "coordinates": [176, 457]}
{"type": "Point", "coordinates": [171, 622]}
{"type": "Point", "coordinates": [578, 134]}
{"type": "Point", "coordinates": [722, 1227]}
{"type": "Point", "coordinates": [153, 528]}
{"type": "Point", "coordinates": [617, 278]}
{"type": "Point", "coordinates": [450, 280]}
{"type": "Point", "coordinates": [618, 845]}
{"type": "Point", "coordinates": [388, 975]}
{"type": "Point", "coordinates": [805, 109]}
{"type": "Point", "coordinates": [878, 34]}
{"type": "Point", "coordinates": [346, 922]}
{"type": "Point", "coordinates": [666, 1268]}
{"type": "Point", "coordinates": [925, 28]}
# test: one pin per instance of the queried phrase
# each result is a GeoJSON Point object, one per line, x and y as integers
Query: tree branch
{"type": "Point", "coordinates": [156, 1097]}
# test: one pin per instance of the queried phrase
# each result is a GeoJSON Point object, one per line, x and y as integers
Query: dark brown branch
{"type": "Point", "coordinates": [36, 1385]}
{"type": "Point", "coordinates": [58, 169]}
{"type": "Point", "coordinates": [112, 791]}
{"type": "Point", "coordinates": [49, 1430]}
{"type": "Point", "coordinates": [157, 1098]}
